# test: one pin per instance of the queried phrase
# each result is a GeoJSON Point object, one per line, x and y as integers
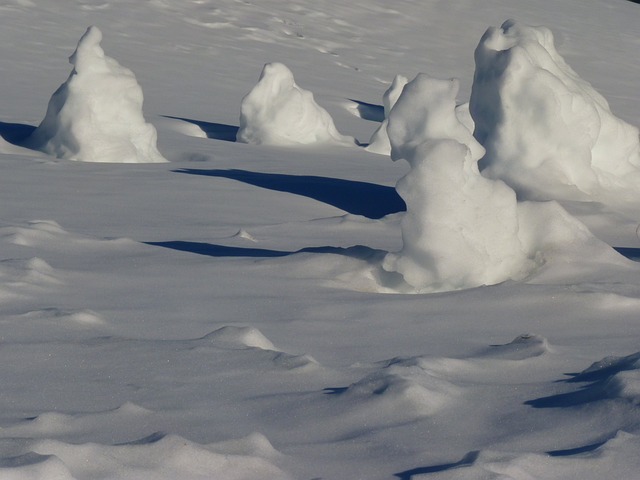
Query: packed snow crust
{"type": "Point", "coordinates": [96, 115]}
{"type": "Point", "coordinates": [222, 316]}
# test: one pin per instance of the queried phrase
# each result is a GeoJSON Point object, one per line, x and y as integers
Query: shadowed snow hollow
{"type": "Point", "coordinates": [96, 115]}
{"type": "Point", "coordinates": [463, 230]}
{"type": "Point", "coordinates": [278, 112]}
{"type": "Point", "coordinates": [547, 132]}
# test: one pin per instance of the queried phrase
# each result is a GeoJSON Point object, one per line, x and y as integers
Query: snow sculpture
{"type": "Point", "coordinates": [278, 112]}
{"type": "Point", "coordinates": [547, 132]}
{"type": "Point", "coordinates": [96, 115]}
{"type": "Point", "coordinates": [460, 229]}
{"type": "Point", "coordinates": [379, 142]}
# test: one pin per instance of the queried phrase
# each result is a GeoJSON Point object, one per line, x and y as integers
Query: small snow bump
{"type": "Point", "coordinates": [239, 337]}
{"type": "Point", "coordinates": [242, 233]}
{"type": "Point", "coordinates": [522, 347]}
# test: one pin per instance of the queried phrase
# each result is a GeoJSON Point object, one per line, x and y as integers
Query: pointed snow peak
{"type": "Point", "coordinates": [88, 51]}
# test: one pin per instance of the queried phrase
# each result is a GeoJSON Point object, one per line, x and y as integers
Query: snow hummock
{"type": "Point", "coordinates": [548, 133]}
{"type": "Point", "coordinates": [615, 458]}
{"type": "Point", "coordinates": [239, 337]}
{"type": "Point", "coordinates": [96, 115]}
{"type": "Point", "coordinates": [463, 230]}
{"type": "Point", "coordinates": [278, 112]}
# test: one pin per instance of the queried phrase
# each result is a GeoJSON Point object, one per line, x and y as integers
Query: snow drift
{"type": "Point", "coordinates": [278, 112]}
{"type": "Point", "coordinates": [96, 115]}
{"type": "Point", "coordinates": [461, 229]}
{"type": "Point", "coordinates": [547, 132]}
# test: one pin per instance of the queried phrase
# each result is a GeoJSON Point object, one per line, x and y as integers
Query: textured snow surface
{"type": "Point", "coordinates": [226, 314]}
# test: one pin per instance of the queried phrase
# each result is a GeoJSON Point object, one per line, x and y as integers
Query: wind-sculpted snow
{"type": "Point", "coordinates": [222, 316]}
{"type": "Point", "coordinates": [548, 133]}
{"type": "Point", "coordinates": [159, 457]}
{"type": "Point", "coordinates": [462, 229]}
{"type": "Point", "coordinates": [279, 112]}
{"type": "Point", "coordinates": [614, 459]}
{"type": "Point", "coordinates": [96, 115]}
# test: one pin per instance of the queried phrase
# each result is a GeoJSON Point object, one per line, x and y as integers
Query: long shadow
{"type": "Point", "coordinates": [217, 131]}
{"type": "Point", "coordinates": [576, 451]}
{"type": "Point", "coordinates": [15, 133]}
{"type": "Point", "coordinates": [369, 111]}
{"type": "Point", "coordinates": [467, 460]}
{"type": "Point", "coordinates": [630, 253]}
{"type": "Point", "coordinates": [221, 251]}
{"type": "Point", "coordinates": [597, 380]}
{"type": "Point", "coordinates": [358, 198]}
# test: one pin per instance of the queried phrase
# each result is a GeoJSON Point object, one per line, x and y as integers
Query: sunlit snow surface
{"type": "Point", "coordinates": [225, 315]}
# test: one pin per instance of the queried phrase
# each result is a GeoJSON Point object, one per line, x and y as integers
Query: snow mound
{"type": "Point", "coordinates": [159, 457]}
{"type": "Point", "coordinates": [398, 392]}
{"type": "Point", "coordinates": [278, 112]}
{"type": "Point", "coordinates": [25, 278]}
{"type": "Point", "coordinates": [254, 444]}
{"type": "Point", "coordinates": [32, 466]}
{"type": "Point", "coordinates": [288, 361]}
{"type": "Point", "coordinates": [615, 377]}
{"type": "Point", "coordinates": [617, 458]}
{"type": "Point", "coordinates": [96, 115]}
{"type": "Point", "coordinates": [462, 230]}
{"type": "Point", "coordinates": [547, 132]}
{"type": "Point", "coordinates": [52, 236]}
{"type": "Point", "coordinates": [239, 337]}
{"type": "Point", "coordinates": [521, 348]}
{"type": "Point", "coordinates": [57, 424]}
{"type": "Point", "coordinates": [38, 271]}
{"type": "Point", "coordinates": [379, 142]}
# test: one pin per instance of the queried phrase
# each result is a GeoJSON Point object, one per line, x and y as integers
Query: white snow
{"type": "Point", "coordinates": [463, 230]}
{"type": "Point", "coordinates": [96, 115]}
{"type": "Point", "coordinates": [225, 314]}
{"type": "Point", "coordinates": [278, 112]}
{"type": "Point", "coordinates": [379, 142]}
{"type": "Point", "coordinates": [547, 132]}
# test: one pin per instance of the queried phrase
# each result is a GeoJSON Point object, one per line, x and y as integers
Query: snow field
{"type": "Point", "coordinates": [220, 315]}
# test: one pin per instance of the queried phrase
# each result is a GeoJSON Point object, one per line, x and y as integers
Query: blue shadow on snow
{"type": "Point", "coordinates": [466, 461]}
{"type": "Point", "coordinates": [213, 250]}
{"type": "Point", "coordinates": [357, 198]}
{"type": "Point", "coordinates": [596, 388]}
{"type": "Point", "coordinates": [369, 111]}
{"type": "Point", "coordinates": [217, 131]}
{"type": "Point", "coordinates": [630, 253]}
{"type": "Point", "coordinates": [15, 133]}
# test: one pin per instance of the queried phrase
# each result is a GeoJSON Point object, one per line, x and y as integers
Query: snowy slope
{"type": "Point", "coordinates": [223, 316]}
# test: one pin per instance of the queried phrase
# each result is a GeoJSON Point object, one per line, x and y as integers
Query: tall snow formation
{"type": "Point", "coordinates": [278, 112]}
{"type": "Point", "coordinates": [463, 230]}
{"type": "Point", "coordinates": [379, 142]}
{"type": "Point", "coordinates": [460, 229]}
{"type": "Point", "coordinates": [96, 115]}
{"type": "Point", "coordinates": [547, 132]}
